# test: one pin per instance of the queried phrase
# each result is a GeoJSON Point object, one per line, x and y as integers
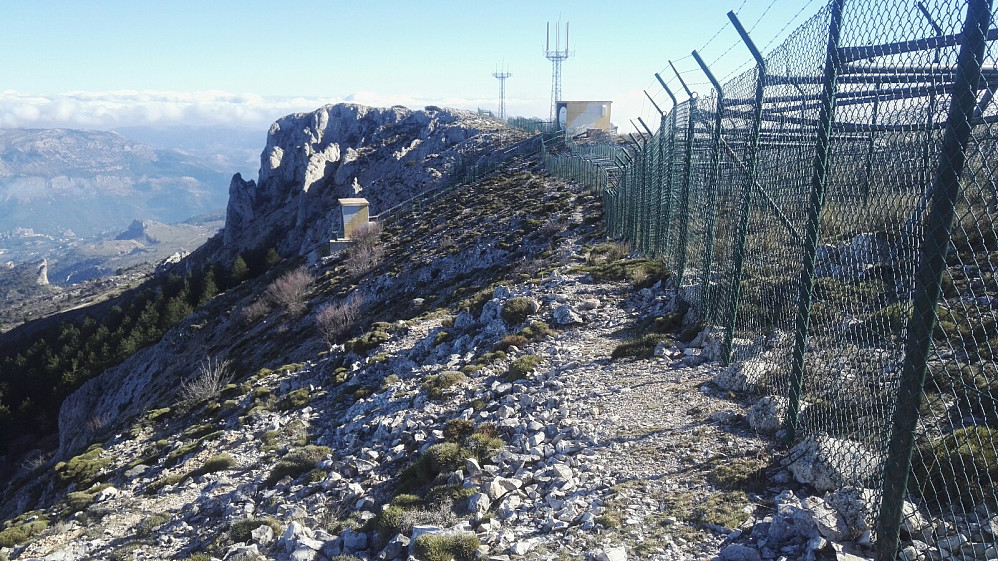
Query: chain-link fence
{"type": "Point", "coordinates": [829, 215]}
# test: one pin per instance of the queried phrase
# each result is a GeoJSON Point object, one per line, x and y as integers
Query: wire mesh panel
{"type": "Point", "coordinates": [841, 235]}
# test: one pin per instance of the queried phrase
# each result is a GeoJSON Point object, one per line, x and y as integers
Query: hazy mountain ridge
{"type": "Point", "coordinates": [54, 180]}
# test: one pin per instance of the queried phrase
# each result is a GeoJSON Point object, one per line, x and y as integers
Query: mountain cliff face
{"type": "Point", "coordinates": [55, 180]}
{"type": "Point", "coordinates": [347, 150]}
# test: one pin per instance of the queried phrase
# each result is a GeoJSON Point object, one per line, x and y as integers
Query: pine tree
{"type": "Point", "coordinates": [208, 287]}
{"type": "Point", "coordinates": [239, 271]}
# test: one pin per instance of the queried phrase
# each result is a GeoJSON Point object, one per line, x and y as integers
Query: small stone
{"type": "Point", "coordinates": [263, 535]}
{"type": "Point", "coordinates": [739, 552]}
{"type": "Point", "coordinates": [611, 554]}
{"type": "Point", "coordinates": [479, 503]}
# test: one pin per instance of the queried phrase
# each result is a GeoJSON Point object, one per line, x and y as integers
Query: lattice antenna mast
{"type": "Point", "coordinates": [502, 91]}
{"type": "Point", "coordinates": [556, 57]}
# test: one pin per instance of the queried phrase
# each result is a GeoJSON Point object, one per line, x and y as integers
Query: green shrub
{"type": "Point", "coordinates": [21, 531]}
{"type": "Point", "coordinates": [393, 520]}
{"type": "Point", "coordinates": [456, 430]}
{"type": "Point", "coordinates": [82, 469]}
{"type": "Point", "coordinates": [437, 459]}
{"type": "Point", "coordinates": [606, 253]}
{"type": "Point", "coordinates": [219, 462]}
{"type": "Point", "coordinates": [437, 385]}
{"type": "Point", "coordinates": [516, 310]}
{"type": "Point", "coordinates": [483, 446]}
{"type": "Point", "coordinates": [297, 463]}
{"type": "Point", "coordinates": [445, 547]}
{"type": "Point", "coordinates": [449, 495]}
{"type": "Point", "coordinates": [78, 500]}
{"type": "Point", "coordinates": [294, 400]}
{"type": "Point", "coordinates": [198, 557]}
{"type": "Point", "coordinates": [241, 531]}
{"type": "Point", "coordinates": [521, 367]}
{"type": "Point", "coordinates": [511, 341]}
{"type": "Point", "coordinates": [150, 523]}
{"type": "Point", "coordinates": [641, 347]}
{"type": "Point", "coordinates": [406, 501]}
{"type": "Point", "coordinates": [958, 469]}
{"type": "Point", "coordinates": [164, 482]}
{"type": "Point", "coordinates": [378, 334]}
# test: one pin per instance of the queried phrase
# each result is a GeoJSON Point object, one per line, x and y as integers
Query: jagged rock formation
{"type": "Point", "coordinates": [311, 159]}
{"type": "Point", "coordinates": [43, 273]}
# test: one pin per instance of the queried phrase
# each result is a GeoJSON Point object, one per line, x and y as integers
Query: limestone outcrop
{"type": "Point", "coordinates": [312, 159]}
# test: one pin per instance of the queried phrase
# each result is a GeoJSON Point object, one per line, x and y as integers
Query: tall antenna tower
{"type": "Point", "coordinates": [502, 92]}
{"type": "Point", "coordinates": [556, 57]}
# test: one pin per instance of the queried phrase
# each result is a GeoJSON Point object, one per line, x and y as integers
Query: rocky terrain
{"type": "Point", "coordinates": [384, 155]}
{"type": "Point", "coordinates": [486, 377]}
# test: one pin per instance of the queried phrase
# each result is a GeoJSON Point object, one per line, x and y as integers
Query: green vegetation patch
{"type": "Point", "coordinates": [241, 531]}
{"type": "Point", "coordinates": [462, 546]}
{"type": "Point", "coordinates": [740, 474]}
{"type": "Point", "coordinates": [958, 469]}
{"type": "Point", "coordinates": [379, 333]}
{"type": "Point", "coordinates": [516, 310]}
{"type": "Point", "coordinates": [82, 469]}
{"type": "Point", "coordinates": [297, 462]}
{"type": "Point", "coordinates": [295, 400]}
{"type": "Point", "coordinates": [150, 523]}
{"type": "Point", "coordinates": [438, 386]}
{"type": "Point", "coordinates": [20, 530]}
{"type": "Point", "coordinates": [521, 367]}
{"type": "Point", "coordinates": [640, 347]}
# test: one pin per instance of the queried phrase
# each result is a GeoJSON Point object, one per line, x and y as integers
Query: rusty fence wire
{"type": "Point", "coordinates": [829, 216]}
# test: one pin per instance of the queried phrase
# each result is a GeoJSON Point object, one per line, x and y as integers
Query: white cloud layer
{"type": "Point", "coordinates": [102, 110]}
{"type": "Point", "coordinates": [112, 109]}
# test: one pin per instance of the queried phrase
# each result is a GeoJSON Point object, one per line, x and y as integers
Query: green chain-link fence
{"type": "Point", "coordinates": [829, 215]}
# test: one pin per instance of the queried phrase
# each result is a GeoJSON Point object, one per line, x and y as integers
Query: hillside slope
{"type": "Point", "coordinates": [485, 334]}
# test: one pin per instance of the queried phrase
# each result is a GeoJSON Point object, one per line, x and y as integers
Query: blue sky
{"type": "Point", "coordinates": [102, 63]}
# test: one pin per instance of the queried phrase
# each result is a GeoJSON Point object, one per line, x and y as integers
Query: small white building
{"type": "Point", "coordinates": [356, 213]}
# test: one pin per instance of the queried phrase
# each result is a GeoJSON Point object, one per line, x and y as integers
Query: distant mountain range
{"type": "Point", "coordinates": [54, 181]}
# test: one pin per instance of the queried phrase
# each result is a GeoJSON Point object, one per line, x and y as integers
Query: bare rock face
{"type": "Point", "coordinates": [312, 159]}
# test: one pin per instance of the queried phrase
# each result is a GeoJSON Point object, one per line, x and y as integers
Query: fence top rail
{"type": "Point", "coordinates": [849, 54]}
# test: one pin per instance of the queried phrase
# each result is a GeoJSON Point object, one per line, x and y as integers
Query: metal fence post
{"type": "Point", "coordinates": [657, 241]}
{"type": "Point", "coordinates": [684, 196]}
{"type": "Point", "coordinates": [706, 299]}
{"type": "Point", "coordinates": [667, 227]}
{"type": "Point", "coordinates": [743, 212]}
{"type": "Point", "coordinates": [819, 176]}
{"type": "Point", "coordinates": [931, 266]}
{"type": "Point", "coordinates": [653, 200]}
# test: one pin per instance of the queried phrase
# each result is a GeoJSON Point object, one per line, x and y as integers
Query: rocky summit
{"type": "Point", "coordinates": [481, 376]}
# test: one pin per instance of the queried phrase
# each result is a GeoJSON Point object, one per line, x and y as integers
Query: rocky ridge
{"type": "Point", "coordinates": [361, 450]}
{"type": "Point", "coordinates": [347, 150]}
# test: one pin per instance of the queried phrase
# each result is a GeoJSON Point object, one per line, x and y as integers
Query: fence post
{"type": "Point", "coordinates": [653, 200]}
{"type": "Point", "coordinates": [706, 299]}
{"type": "Point", "coordinates": [741, 232]}
{"type": "Point", "coordinates": [640, 207]}
{"type": "Point", "coordinates": [931, 266]}
{"type": "Point", "coordinates": [684, 196]}
{"type": "Point", "coordinates": [634, 173]}
{"type": "Point", "coordinates": [657, 243]}
{"type": "Point", "coordinates": [667, 228]}
{"type": "Point", "coordinates": [819, 177]}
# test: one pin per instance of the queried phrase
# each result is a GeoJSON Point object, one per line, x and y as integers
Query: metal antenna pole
{"type": "Point", "coordinates": [502, 92]}
{"type": "Point", "coordinates": [556, 57]}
